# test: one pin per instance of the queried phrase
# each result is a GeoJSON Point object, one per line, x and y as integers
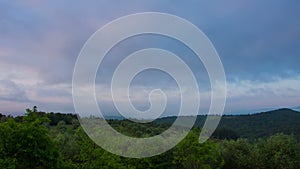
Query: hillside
{"type": "Point", "coordinates": [56, 140]}
{"type": "Point", "coordinates": [254, 126]}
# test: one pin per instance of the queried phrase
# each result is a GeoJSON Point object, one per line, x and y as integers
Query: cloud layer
{"type": "Point", "coordinates": [258, 43]}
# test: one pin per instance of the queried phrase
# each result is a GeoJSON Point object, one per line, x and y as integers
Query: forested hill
{"type": "Point", "coordinates": [41, 140]}
{"type": "Point", "coordinates": [253, 125]}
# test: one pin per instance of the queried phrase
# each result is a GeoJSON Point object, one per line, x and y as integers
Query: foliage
{"type": "Point", "coordinates": [27, 145]}
{"type": "Point", "coordinates": [225, 133]}
{"type": "Point", "coordinates": [55, 118]}
{"type": "Point", "coordinates": [265, 124]}
{"type": "Point", "coordinates": [35, 141]}
{"type": "Point", "coordinates": [190, 154]}
{"type": "Point", "coordinates": [253, 126]}
{"type": "Point", "coordinates": [277, 152]}
{"type": "Point", "coordinates": [239, 154]}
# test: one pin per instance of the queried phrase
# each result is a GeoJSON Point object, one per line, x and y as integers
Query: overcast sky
{"type": "Point", "coordinates": [258, 43]}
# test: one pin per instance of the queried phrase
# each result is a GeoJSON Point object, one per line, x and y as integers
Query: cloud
{"type": "Point", "coordinates": [247, 95]}
{"type": "Point", "coordinates": [9, 91]}
{"type": "Point", "coordinates": [40, 41]}
{"type": "Point", "coordinates": [280, 87]}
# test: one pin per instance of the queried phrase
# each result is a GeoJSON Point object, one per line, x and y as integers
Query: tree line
{"type": "Point", "coordinates": [49, 140]}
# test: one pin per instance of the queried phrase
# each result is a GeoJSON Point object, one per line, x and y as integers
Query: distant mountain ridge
{"type": "Point", "coordinates": [253, 126]}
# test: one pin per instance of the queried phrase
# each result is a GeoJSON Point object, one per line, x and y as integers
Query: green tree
{"type": "Point", "coordinates": [27, 145]}
{"type": "Point", "coordinates": [91, 156]}
{"type": "Point", "coordinates": [225, 133]}
{"type": "Point", "coordinates": [190, 154]}
{"type": "Point", "coordinates": [240, 154]}
{"type": "Point", "coordinates": [279, 152]}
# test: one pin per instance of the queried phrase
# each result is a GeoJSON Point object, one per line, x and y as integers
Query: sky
{"type": "Point", "coordinates": [257, 41]}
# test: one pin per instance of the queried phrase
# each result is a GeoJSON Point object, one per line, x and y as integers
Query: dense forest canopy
{"type": "Point", "coordinates": [55, 140]}
{"type": "Point", "coordinates": [253, 126]}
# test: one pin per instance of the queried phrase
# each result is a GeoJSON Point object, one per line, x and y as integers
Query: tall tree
{"type": "Point", "coordinates": [27, 145]}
